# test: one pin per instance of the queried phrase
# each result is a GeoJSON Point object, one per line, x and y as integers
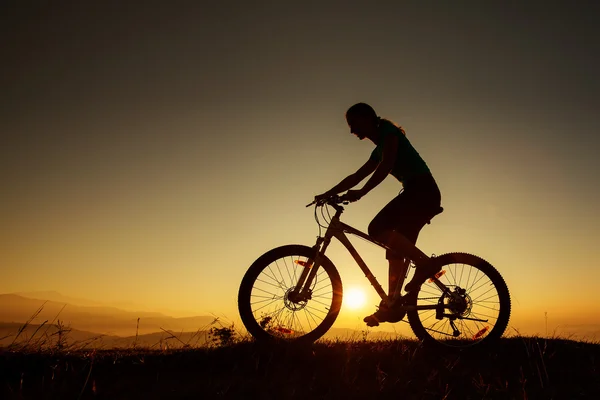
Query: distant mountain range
{"type": "Point", "coordinates": [92, 324]}
{"type": "Point", "coordinates": [39, 336]}
{"type": "Point", "coordinates": [94, 318]}
{"type": "Point", "coordinates": [47, 336]}
{"type": "Point", "coordinates": [105, 326]}
{"type": "Point", "coordinates": [52, 295]}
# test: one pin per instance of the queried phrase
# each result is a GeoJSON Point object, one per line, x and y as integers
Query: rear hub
{"type": "Point", "coordinates": [460, 303]}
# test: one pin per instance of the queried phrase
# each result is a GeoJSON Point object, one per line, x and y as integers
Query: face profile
{"type": "Point", "coordinates": [362, 120]}
{"type": "Point", "coordinates": [361, 126]}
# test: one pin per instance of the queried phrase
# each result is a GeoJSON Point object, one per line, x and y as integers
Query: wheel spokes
{"type": "Point", "coordinates": [480, 302]}
{"type": "Point", "coordinates": [273, 309]}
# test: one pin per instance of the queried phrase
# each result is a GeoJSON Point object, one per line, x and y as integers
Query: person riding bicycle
{"type": "Point", "coordinates": [418, 201]}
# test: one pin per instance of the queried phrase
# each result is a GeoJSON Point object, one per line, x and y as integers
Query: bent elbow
{"type": "Point", "coordinates": [385, 168]}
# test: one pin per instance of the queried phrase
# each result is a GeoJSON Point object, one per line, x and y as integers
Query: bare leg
{"type": "Point", "coordinates": [397, 274]}
{"type": "Point", "coordinates": [386, 311]}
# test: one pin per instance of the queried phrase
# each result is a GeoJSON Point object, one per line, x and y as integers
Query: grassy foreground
{"type": "Point", "coordinates": [514, 368]}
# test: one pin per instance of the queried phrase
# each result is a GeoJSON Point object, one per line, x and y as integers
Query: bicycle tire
{"type": "Point", "coordinates": [283, 323]}
{"type": "Point", "coordinates": [483, 299]}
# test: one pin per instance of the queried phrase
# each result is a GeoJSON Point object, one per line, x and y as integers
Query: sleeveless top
{"type": "Point", "coordinates": [409, 163]}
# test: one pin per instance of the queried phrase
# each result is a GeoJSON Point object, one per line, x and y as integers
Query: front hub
{"type": "Point", "coordinates": [293, 301]}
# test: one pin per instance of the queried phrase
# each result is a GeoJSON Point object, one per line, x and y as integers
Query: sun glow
{"type": "Point", "coordinates": [354, 298]}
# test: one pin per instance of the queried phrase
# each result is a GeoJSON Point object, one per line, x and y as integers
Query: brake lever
{"type": "Point", "coordinates": [315, 202]}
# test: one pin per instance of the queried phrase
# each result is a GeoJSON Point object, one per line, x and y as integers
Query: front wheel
{"type": "Point", "coordinates": [474, 308]}
{"type": "Point", "coordinates": [266, 307]}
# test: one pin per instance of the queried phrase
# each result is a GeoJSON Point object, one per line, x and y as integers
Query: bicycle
{"type": "Point", "coordinates": [294, 292]}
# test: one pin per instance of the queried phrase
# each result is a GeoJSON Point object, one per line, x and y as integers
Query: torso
{"type": "Point", "coordinates": [409, 164]}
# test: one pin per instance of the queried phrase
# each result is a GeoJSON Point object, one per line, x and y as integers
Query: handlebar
{"type": "Point", "coordinates": [332, 201]}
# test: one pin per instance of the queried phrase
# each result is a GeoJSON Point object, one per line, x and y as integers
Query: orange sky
{"type": "Point", "coordinates": [150, 155]}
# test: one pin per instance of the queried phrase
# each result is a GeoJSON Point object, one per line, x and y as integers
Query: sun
{"type": "Point", "coordinates": [355, 298]}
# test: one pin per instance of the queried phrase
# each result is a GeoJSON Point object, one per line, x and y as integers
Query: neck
{"type": "Point", "coordinates": [375, 135]}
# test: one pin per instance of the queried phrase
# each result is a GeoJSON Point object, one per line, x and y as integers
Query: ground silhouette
{"type": "Point", "coordinates": [513, 368]}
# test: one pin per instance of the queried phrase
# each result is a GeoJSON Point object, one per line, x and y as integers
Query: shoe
{"type": "Point", "coordinates": [422, 272]}
{"type": "Point", "coordinates": [385, 314]}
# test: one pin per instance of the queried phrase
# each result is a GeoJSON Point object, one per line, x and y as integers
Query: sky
{"type": "Point", "coordinates": [152, 151]}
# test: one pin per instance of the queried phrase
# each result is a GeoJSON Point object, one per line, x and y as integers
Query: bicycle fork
{"type": "Point", "coordinates": [301, 291]}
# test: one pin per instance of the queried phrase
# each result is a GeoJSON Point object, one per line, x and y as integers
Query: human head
{"type": "Point", "coordinates": [362, 120]}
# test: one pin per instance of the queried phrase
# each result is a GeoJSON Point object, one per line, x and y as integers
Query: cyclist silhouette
{"type": "Point", "coordinates": [418, 201]}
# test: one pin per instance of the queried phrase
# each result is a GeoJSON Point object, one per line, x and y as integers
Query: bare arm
{"type": "Point", "coordinates": [352, 180]}
{"type": "Point", "coordinates": [390, 150]}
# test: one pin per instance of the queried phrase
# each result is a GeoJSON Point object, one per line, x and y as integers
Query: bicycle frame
{"type": "Point", "coordinates": [338, 230]}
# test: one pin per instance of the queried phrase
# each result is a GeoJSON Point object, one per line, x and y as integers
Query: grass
{"type": "Point", "coordinates": [47, 364]}
{"type": "Point", "coordinates": [513, 368]}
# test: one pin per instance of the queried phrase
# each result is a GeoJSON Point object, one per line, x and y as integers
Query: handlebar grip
{"type": "Point", "coordinates": [335, 199]}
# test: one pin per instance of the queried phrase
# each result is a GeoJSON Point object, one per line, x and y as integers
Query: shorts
{"type": "Point", "coordinates": [408, 212]}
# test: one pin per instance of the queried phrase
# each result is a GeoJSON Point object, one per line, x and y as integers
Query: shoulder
{"type": "Point", "coordinates": [388, 127]}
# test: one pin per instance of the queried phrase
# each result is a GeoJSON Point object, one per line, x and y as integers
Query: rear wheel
{"type": "Point", "coordinates": [476, 306]}
{"type": "Point", "coordinates": [266, 307]}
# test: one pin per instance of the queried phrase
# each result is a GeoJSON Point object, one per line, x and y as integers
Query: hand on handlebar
{"type": "Point", "coordinates": [352, 195]}
{"type": "Point", "coordinates": [320, 199]}
{"type": "Point", "coordinates": [325, 198]}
